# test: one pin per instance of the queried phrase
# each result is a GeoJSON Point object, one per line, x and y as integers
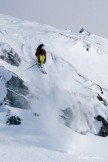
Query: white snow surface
{"type": "Point", "coordinates": [74, 78]}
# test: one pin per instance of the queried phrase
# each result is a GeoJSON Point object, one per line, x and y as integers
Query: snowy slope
{"type": "Point", "coordinates": [76, 74]}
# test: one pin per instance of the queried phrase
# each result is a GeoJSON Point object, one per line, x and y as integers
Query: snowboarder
{"type": "Point", "coordinates": [41, 55]}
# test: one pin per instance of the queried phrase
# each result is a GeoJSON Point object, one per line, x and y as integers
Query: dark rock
{"type": "Point", "coordinates": [17, 93]}
{"type": "Point", "coordinates": [102, 99]}
{"type": "Point", "coordinates": [17, 84]}
{"type": "Point", "coordinates": [35, 114]}
{"type": "Point", "coordinates": [67, 116]}
{"type": "Point", "coordinates": [87, 46]}
{"type": "Point", "coordinates": [84, 31]}
{"type": "Point", "coordinates": [105, 123]}
{"type": "Point", "coordinates": [99, 118]}
{"type": "Point", "coordinates": [99, 98]}
{"type": "Point", "coordinates": [15, 120]}
{"type": "Point", "coordinates": [9, 55]}
{"type": "Point", "coordinates": [104, 129]}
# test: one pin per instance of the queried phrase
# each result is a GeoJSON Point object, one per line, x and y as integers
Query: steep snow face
{"type": "Point", "coordinates": [67, 95]}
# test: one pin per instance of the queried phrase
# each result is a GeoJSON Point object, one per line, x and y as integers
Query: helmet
{"type": "Point", "coordinates": [40, 46]}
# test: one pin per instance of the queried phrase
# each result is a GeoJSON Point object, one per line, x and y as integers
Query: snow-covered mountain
{"type": "Point", "coordinates": [58, 110]}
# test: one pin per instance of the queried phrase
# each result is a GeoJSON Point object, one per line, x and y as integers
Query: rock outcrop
{"type": "Point", "coordinates": [104, 128]}
{"type": "Point", "coordinates": [17, 93]}
{"type": "Point", "coordinates": [13, 120]}
{"type": "Point", "coordinates": [84, 31]}
{"type": "Point", "coordinates": [8, 54]}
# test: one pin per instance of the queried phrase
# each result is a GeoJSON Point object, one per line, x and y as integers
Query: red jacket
{"type": "Point", "coordinates": [40, 52]}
